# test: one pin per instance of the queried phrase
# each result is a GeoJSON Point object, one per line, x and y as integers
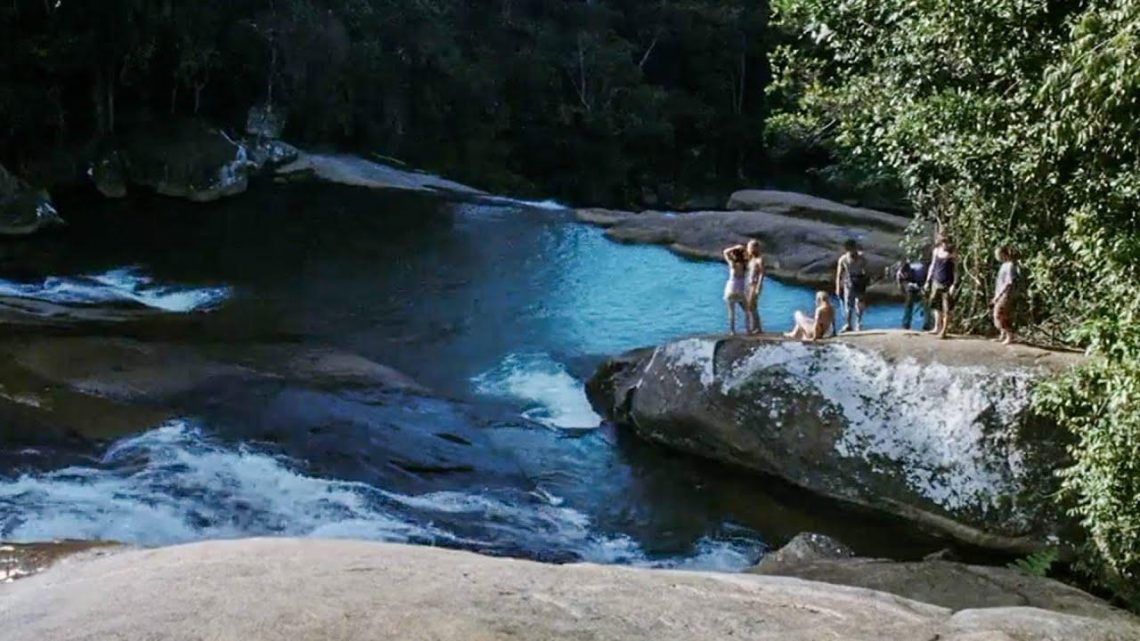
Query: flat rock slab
{"type": "Point", "coordinates": [307, 590]}
{"type": "Point", "coordinates": [345, 169]}
{"type": "Point", "coordinates": [957, 586]}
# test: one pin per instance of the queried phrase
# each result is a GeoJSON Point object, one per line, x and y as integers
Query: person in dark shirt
{"type": "Point", "coordinates": [942, 283]}
{"type": "Point", "coordinates": [910, 278]}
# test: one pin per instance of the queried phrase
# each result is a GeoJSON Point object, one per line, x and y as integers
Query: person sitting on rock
{"type": "Point", "coordinates": [736, 289]}
{"type": "Point", "coordinates": [910, 278]}
{"type": "Point", "coordinates": [851, 285]}
{"type": "Point", "coordinates": [1004, 293]}
{"type": "Point", "coordinates": [814, 328]}
{"type": "Point", "coordinates": [942, 283]}
{"type": "Point", "coordinates": [755, 285]}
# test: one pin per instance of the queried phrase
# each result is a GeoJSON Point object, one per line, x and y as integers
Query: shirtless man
{"type": "Point", "coordinates": [755, 285]}
{"type": "Point", "coordinates": [851, 285]}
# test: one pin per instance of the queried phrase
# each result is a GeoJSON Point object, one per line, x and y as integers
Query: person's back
{"type": "Point", "coordinates": [912, 275]}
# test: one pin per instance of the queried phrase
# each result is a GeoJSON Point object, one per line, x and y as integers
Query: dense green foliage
{"type": "Point", "coordinates": [593, 100]}
{"type": "Point", "coordinates": [1006, 121]}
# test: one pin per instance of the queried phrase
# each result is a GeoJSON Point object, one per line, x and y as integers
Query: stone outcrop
{"type": "Point", "coordinates": [24, 210]}
{"type": "Point", "coordinates": [802, 236]}
{"type": "Point", "coordinates": [939, 433]}
{"type": "Point", "coordinates": [956, 586]}
{"type": "Point", "coordinates": [354, 171]}
{"type": "Point", "coordinates": [97, 389]}
{"type": "Point", "coordinates": [319, 590]}
{"type": "Point", "coordinates": [188, 159]}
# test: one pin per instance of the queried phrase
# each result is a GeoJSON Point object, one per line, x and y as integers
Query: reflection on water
{"type": "Point", "coordinates": [502, 309]}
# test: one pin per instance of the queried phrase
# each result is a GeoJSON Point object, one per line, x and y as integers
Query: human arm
{"type": "Point", "coordinates": [839, 267]}
{"type": "Point", "coordinates": [729, 251]}
{"type": "Point", "coordinates": [930, 269]}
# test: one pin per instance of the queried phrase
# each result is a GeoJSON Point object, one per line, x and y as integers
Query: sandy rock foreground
{"type": "Point", "coordinates": [301, 590]}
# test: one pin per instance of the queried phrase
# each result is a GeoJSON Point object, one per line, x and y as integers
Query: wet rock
{"type": "Point", "coordinates": [939, 433]}
{"type": "Point", "coordinates": [802, 237]}
{"type": "Point", "coordinates": [804, 548]}
{"type": "Point", "coordinates": [187, 159]}
{"type": "Point", "coordinates": [266, 154]}
{"type": "Point", "coordinates": [24, 210]}
{"type": "Point", "coordinates": [314, 590]}
{"type": "Point", "coordinates": [956, 586]}
{"type": "Point", "coordinates": [102, 388]}
{"type": "Point", "coordinates": [109, 176]}
{"type": "Point", "coordinates": [805, 207]}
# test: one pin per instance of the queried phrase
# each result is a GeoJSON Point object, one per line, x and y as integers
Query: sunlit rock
{"type": "Point", "coordinates": [940, 433]}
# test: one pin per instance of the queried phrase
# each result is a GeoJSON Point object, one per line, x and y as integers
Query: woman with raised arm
{"type": "Point", "coordinates": [736, 289]}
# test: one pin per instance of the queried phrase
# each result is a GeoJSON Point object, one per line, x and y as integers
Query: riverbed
{"type": "Point", "coordinates": [500, 309]}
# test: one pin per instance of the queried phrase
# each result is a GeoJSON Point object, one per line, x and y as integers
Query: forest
{"type": "Point", "coordinates": [596, 102]}
{"type": "Point", "coordinates": [1002, 121]}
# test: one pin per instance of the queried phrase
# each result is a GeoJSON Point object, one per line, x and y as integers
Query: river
{"type": "Point", "coordinates": [501, 308]}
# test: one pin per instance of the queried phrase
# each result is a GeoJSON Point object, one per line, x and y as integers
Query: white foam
{"type": "Point", "coordinates": [553, 397]}
{"type": "Point", "coordinates": [117, 285]}
{"type": "Point", "coordinates": [173, 486]}
{"type": "Point", "coordinates": [547, 205]}
{"type": "Point", "coordinates": [925, 417]}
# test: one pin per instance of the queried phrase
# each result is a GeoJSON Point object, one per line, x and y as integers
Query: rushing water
{"type": "Point", "coordinates": [501, 308]}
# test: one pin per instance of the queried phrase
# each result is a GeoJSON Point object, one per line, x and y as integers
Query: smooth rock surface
{"type": "Point", "coordinates": [804, 548]}
{"type": "Point", "coordinates": [956, 586]}
{"type": "Point", "coordinates": [354, 171]}
{"type": "Point", "coordinates": [260, 589]}
{"type": "Point", "coordinates": [801, 244]}
{"type": "Point", "coordinates": [939, 433]}
{"type": "Point", "coordinates": [789, 203]}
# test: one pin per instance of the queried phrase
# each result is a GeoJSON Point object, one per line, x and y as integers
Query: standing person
{"type": "Point", "coordinates": [1005, 292]}
{"type": "Point", "coordinates": [736, 289]}
{"type": "Point", "coordinates": [755, 285]}
{"type": "Point", "coordinates": [942, 283]}
{"type": "Point", "coordinates": [814, 328]}
{"type": "Point", "coordinates": [910, 278]}
{"type": "Point", "coordinates": [851, 284]}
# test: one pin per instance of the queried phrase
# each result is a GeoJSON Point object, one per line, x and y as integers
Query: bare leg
{"type": "Point", "coordinates": [944, 318]}
{"type": "Point", "coordinates": [731, 316]}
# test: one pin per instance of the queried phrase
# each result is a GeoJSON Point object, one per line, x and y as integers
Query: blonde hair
{"type": "Point", "coordinates": [821, 298]}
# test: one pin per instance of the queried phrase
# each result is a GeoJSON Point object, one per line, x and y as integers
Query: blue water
{"type": "Point", "coordinates": [502, 309]}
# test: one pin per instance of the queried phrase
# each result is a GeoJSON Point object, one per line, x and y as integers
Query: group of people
{"type": "Point", "coordinates": [932, 288]}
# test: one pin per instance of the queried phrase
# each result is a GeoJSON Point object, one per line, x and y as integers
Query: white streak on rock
{"type": "Point", "coordinates": [927, 419]}
{"type": "Point", "coordinates": [693, 353]}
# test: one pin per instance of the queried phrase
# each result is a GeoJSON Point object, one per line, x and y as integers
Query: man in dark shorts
{"type": "Point", "coordinates": [942, 283]}
{"type": "Point", "coordinates": [851, 285]}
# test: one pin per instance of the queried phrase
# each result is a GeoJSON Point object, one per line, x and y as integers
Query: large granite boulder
{"type": "Point", "coordinates": [23, 210]}
{"type": "Point", "coordinates": [939, 433]}
{"type": "Point", "coordinates": [802, 236]}
{"type": "Point", "coordinates": [956, 586]}
{"type": "Point", "coordinates": [349, 590]}
{"type": "Point", "coordinates": [184, 159]}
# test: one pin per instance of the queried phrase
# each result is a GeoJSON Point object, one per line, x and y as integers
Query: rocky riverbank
{"type": "Point", "coordinates": [802, 235]}
{"type": "Point", "coordinates": [938, 433]}
{"type": "Point", "coordinates": [316, 590]}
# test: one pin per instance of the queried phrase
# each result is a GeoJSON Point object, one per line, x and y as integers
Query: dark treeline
{"type": "Point", "coordinates": [596, 101]}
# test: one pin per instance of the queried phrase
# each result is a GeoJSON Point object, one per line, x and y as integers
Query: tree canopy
{"type": "Point", "coordinates": [1005, 122]}
{"type": "Point", "coordinates": [596, 101]}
